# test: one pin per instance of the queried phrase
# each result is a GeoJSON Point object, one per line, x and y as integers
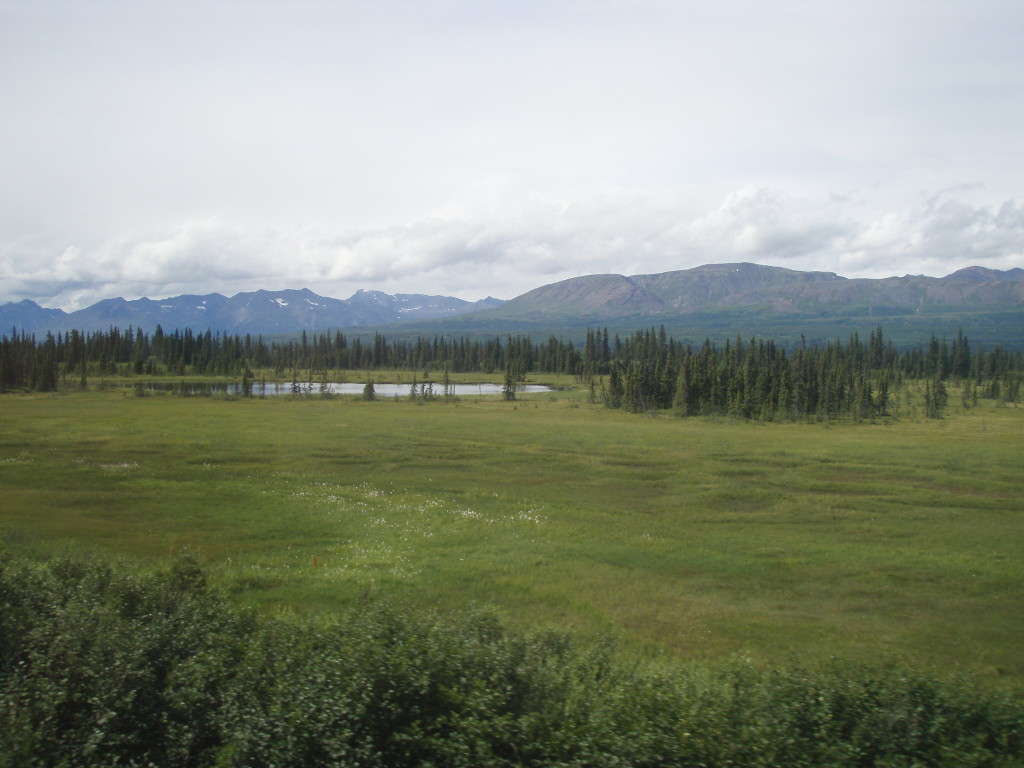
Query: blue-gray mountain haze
{"type": "Point", "coordinates": [713, 288]}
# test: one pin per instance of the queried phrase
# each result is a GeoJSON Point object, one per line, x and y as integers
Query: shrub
{"type": "Point", "coordinates": [101, 665]}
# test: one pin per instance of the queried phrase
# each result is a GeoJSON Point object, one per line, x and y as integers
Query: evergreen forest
{"type": "Point", "coordinates": [648, 371]}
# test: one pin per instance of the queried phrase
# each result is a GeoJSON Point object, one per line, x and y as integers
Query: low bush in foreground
{"type": "Point", "coordinates": [102, 665]}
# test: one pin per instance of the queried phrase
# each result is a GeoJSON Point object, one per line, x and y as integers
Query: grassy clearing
{"type": "Point", "coordinates": [896, 541]}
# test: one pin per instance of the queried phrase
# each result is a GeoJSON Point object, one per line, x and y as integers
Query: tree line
{"type": "Point", "coordinates": [762, 380]}
{"type": "Point", "coordinates": [646, 371]}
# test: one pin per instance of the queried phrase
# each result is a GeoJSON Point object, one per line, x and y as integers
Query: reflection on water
{"type": "Point", "coordinates": [270, 388]}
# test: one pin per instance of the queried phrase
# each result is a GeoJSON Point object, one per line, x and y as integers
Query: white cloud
{"type": "Point", "coordinates": [472, 255]}
{"type": "Point", "coordinates": [469, 148]}
{"type": "Point", "coordinates": [766, 226]}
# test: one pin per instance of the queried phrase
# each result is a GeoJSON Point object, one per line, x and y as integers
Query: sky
{"type": "Point", "coordinates": [487, 147]}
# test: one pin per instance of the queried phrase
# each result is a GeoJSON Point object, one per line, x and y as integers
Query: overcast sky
{"type": "Point", "coordinates": [475, 147]}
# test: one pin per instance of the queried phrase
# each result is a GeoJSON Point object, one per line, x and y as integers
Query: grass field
{"type": "Point", "coordinates": [896, 541]}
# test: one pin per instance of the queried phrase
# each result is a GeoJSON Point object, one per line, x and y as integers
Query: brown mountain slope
{"type": "Point", "coordinates": [590, 296]}
{"type": "Point", "coordinates": [754, 287]}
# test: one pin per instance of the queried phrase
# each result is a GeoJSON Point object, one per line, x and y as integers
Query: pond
{"type": "Point", "coordinates": [271, 388]}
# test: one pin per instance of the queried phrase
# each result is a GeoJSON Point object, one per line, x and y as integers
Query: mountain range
{"type": "Point", "coordinates": [714, 298]}
{"type": "Point", "coordinates": [771, 290]}
{"type": "Point", "coordinates": [257, 312]}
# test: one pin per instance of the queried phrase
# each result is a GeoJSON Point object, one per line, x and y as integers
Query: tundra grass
{"type": "Point", "coordinates": [896, 541]}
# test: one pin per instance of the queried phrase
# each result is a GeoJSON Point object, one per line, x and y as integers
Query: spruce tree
{"type": "Point", "coordinates": [508, 389]}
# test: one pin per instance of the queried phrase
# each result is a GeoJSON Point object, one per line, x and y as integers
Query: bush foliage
{"type": "Point", "coordinates": [102, 665]}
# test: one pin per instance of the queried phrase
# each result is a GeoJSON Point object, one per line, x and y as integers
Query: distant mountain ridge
{"type": "Point", "coordinates": [713, 296]}
{"type": "Point", "coordinates": [771, 290]}
{"type": "Point", "coordinates": [259, 312]}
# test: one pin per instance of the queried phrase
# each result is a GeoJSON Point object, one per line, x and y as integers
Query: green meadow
{"type": "Point", "coordinates": [896, 541]}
